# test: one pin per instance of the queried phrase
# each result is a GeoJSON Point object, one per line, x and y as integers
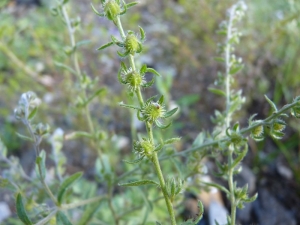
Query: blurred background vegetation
{"type": "Point", "coordinates": [181, 44]}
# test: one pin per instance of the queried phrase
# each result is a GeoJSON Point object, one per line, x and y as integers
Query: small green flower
{"type": "Point", "coordinates": [133, 79]}
{"type": "Point", "coordinates": [276, 129]}
{"type": "Point", "coordinates": [144, 148]}
{"type": "Point", "coordinates": [257, 133]}
{"type": "Point", "coordinates": [111, 9]}
{"type": "Point", "coordinates": [153, 112]}
{"type": "Point", "coordinates": [132, 44]}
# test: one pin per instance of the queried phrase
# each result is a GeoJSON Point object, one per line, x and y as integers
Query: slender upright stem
{"type": "Point", "coordinates": [228, 113]}
{"type": "Point", "coordinates": [148, 125]}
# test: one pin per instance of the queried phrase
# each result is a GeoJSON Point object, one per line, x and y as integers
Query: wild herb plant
{"type": "Point", "coordinates": [227, 138]}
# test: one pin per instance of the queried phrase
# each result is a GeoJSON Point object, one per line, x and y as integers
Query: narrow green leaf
{"type": "Point", "coordinates": [66, 184]}
{"type": "Point", "coordinates": [201, 212]}
{"type": "Point", "coordinates": [33, 113]}
{"type": "Point", "coordinates": [161, 100]}
{"type": "Point", "coordinates": [271, 103]}
{"type": "Point", "coordinates": [41, 165]}
{"type": "Point", "coordinates": [128, 5]}
{"type": "Point", "coordinates": [65, 67]}
{"type": "Point", "coordinates": [98, 92]}
{"type": "Point", "coordinates": [105, 46]}
{"type": "Point", "coordinates": [134, 161]}
{"type": "Point", "coordinates": [252, 199]}
{"type": "Point", "coordinates": [88, 214]}
{"type": "Point", "coordinates": [170, 113]}
{"type": "Point", "coordinates": [83, 42]}
{"type": "Point", "coordinates": [240, 157]}
{"type": "Point", "coordinates": [139, 183]}
{"type": "Point", "coordinates": [161, 125]}
{"type": "Point", "coordinates": [143, 69]}
{"type": "Point", "coordinates": [122, 54]}
{"type": "Point", "coordinates": [151, 70]}
{"type": "Point", "coordinates": [217, 91]}
{"type": "Point", "coordinates": [158, 223]}
{"type": "Point", "coordinates": [128, 106]}
{"type": "Point", "coordinates": [21, 210]}
{"type": "Point", "coordinates": [95, 11]}
{"type": "Point", "coordinates": [26, 138]}
{"type": "Point", "coordinates": [142, 32]}
{"type": "Point", "coordinates": [235, 69]}
{"type": "Point", "coordinates": [219, 59]}
{"type": "Point", "coordinates": [62, 219]}
{"type": "Point", "coordinates": [124, 8]}
{"type": "Point", "coordinates": [217, 186]}
{"type": "Point", "coordinates": [149, 84]}
{"type": "Point", "coordinates": [171, 140]}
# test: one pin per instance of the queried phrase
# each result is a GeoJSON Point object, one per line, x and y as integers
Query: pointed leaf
{"type": "Point", "coordinates": [124, 8]}
{"type": "Point", "coordinates": [32, 113]}
{"type": "Point", "coordinates": [143, 69]}
{"type": "Point", "coordinates": [123, 54]}
{"type": "Point", "coordinates": [171, 140]}
{"type": "Point", "coordinates": [65, 67]}
{"type": "Point", "coordinates": [271, 103]}
{"type": "Point", "coordinates": [161, 125]}
{"type": "Point", "coordinates": [88, 214]}
{"type": "Point", "coordinates": [83, 42]}
{"type": "Point", "coordinates": [24, 137]}
{"type": "Point", "coordinates": [21, 210]}
{"type": "Point", "coordinates": [139, 183]}
{"type": "Point", "coordinates": [217, 91]}
{"type": "Point", "coordinates": [98, 92]}
{"type": "Point", "coordinates": [219, 59]}
{"type": "Point", "coordinates": [128, 106]}
{"type": "Point", "coordinates": [41, 165]}
{"type": "Point", "coordinates": [235, 69]}
{"type": "Point", "coordinates": [151, 70]}
{"type": "Point", "coordinates": [170, 113]}
{"type": "Point", "coordinates": [128, 5]}
{"type": "Point", "coordinates": [62, 219]}
{"type": "Point", "coordinates": [66, 184]}
{"type": "Point", "coordinates": [142, 32]}
{"type": "Point", "coordinates": [134, 161]}
{"type": "Point", "coordinates": [240, 157]}
{"type": "Point", "coordinates": [217, 186]}
{"type": "Point", "coordinates": [161, 100]}
{"type": "Point", "coordinates": [95, 11]}
{"type": "Point", "coordinates": [148, 84]}
{"type": "Point", "coordinates": [105, 46]}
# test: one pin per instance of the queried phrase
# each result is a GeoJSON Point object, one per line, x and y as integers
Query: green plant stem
{"type": "Point", "coordinates": [111, 207]}
{"type": "Point", "coordinates": [150, 135]}
{"type": "Point", "coordinates": [86, 110]}
{"type": "Point", "coordinates": [37, 150]}
{"type": "Point", "coordinates": [243, 131]}
{"type": "Point", "coordinates": [82, 202]}
{"type": "Point", "coordinates": [47, 218]}
{"type": "Point", "coordinates": [228, 113]}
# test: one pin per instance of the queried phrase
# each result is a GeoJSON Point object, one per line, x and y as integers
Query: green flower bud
{"type": "Point", "coordinates": [144, 148]}
{"type": "Point", "coordinates": [19, 113]}
{"type": "Point", "coordinates": [152, 111]}
{"type": "Point", "coordinates": [112, 9]}
{"type": "Point", "coordinates": [132, 44]}
{"type": "Point", "coordinates": [257, 133]}
{"type": "Point", "coordinates": [173, 186]}
{"type": "Point", "coordinates": [133, 79]}
{"type": "Point", "coordinates": [41, 129]}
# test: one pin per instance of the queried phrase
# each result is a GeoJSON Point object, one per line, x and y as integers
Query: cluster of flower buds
{"type": "Point", "coordinates": [27, 106]}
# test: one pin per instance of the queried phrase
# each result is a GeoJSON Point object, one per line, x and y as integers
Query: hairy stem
{"type": "Point", "coordinates": [150, 135]}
